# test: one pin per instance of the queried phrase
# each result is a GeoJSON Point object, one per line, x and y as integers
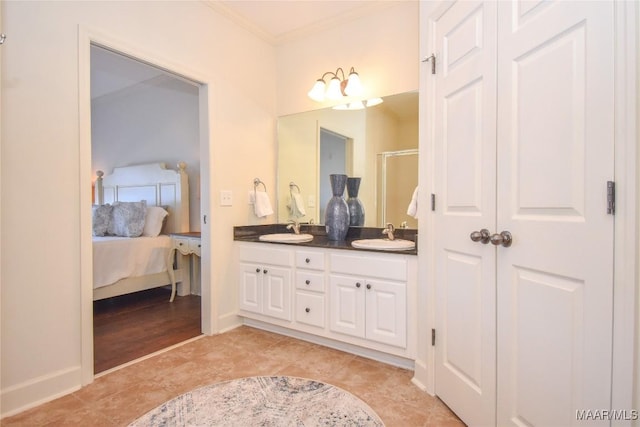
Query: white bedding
{"type": "Point", "coordinates": [116, 258]}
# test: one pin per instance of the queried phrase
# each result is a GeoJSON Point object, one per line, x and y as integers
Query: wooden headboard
{"type": "Point", "coordinates": [152, 182]}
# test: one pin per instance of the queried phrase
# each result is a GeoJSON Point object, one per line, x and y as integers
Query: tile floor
{"type": "Point", "coordinates": [119, 397]}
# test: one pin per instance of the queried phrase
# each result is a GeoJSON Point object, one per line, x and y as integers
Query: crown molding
{"type": "Point", "coordinates": [367, 8]}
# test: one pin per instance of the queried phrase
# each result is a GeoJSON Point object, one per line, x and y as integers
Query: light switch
{"type": "Point", "coordinates": [226, 198]}
{"type": "Point", "coordinates": [311, 201]}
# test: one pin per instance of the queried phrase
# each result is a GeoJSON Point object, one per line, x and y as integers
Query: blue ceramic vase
{"type": "Point", "coordinates": [356, 208]}
{"type": "Point", "coordinates": [336, 220]}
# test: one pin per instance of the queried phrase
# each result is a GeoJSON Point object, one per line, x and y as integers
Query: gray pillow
{"type": "Point", "coordinates": [101, 219]}
{"type": "Point", "coordinates": [127, 219]}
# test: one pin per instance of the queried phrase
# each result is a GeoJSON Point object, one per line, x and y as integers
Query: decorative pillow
{"type": "Point", "coordinates": [127, 219]}
{"type": "Point", "coordinates": [101, 219]}
{"type": "Point", "coordinates": [154, 220]}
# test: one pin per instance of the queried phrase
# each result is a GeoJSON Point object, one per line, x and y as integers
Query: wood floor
{"type": "Point", "coordinates": [135, 325]}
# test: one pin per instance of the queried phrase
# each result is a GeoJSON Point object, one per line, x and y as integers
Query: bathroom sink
{"type": "Point", "coordinates": [384, 244]}
{"type": "Point", "coordinates": [286, 238]}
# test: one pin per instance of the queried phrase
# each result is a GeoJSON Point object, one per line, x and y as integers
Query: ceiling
{"type": "Point", "coordinates": [285, 20]}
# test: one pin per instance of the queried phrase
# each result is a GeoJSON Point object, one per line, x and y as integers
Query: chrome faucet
{"type": "Point", "coordinates": [389, 231]}
{"type": "Point", "coordinates": [295, 226]}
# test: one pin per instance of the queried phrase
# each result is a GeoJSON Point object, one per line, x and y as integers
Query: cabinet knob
{"type": "Point", "coordinates": [257, 270]}
{"type": "Point", "coordinates": [368, 285]}
{"type": "Point", "coordinates": [264, 271]}
{"type": "Point", "coordinates": [307, 309]}
{"type": "Point", "coordinates": [307, 260]}
{"type": "Point", "coordinates": [308, 282]}
{"type": "Point", "coordinates": [358, 284]}
{"type": "Point", "coordinates": [180, 244]}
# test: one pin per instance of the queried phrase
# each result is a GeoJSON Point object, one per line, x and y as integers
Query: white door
{"type": "Point", "coordinates": [276, 291]}
{"type": "Point", "coordinates": [553, 286]}
{"type": "Point", "coordinates": [555, 156]}
{"type": "Point", "coordinates": [464, 181]}
{"type": "Point", "coordinates": [347, 305]}
{"type": "Point", "coordinates": [250, 288]}
{"type": "Point", "coordinates": [386, 312]}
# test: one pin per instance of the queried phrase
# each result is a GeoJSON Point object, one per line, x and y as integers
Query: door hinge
{"type": "Point", "coordinates": [611, 197]}
{"type": "Point", "coordinates": [433, 337]}
{"type": "Point", "coordinates": [431, 58]}
{"type": "Point", "coordinates": [433, 202]}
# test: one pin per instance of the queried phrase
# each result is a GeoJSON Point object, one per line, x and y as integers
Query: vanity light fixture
{"type": "Point", "coordinates": [337, 87]}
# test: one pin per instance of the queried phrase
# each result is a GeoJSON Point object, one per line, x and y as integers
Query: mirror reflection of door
{"type": "Point", "coordinates": [398, 178]}
{"type": "Point", "coordinates": [335, 154]}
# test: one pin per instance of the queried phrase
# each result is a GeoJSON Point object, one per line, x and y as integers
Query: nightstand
{"type": "Point", "coordinates": [185, 245]}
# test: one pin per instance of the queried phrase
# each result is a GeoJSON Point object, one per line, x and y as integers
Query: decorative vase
{"type": "Point", "coordinates": [356, 208]}
{"type": "Point", "coordinates": [336, 218]}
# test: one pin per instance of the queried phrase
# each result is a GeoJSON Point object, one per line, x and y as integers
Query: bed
{"type": "Point", "coordinates": [124, 264]}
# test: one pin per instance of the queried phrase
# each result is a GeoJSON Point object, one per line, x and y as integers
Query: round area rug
{"type": "Point", "coordinates": [263, 401]}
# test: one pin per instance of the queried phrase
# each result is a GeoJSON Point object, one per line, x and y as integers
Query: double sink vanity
{"type": "Point", "coordinates": [357, 295]}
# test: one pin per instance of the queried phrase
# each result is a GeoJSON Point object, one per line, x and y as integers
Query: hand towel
{"type": "Point", "coordinates": [412, 210]}
{"type": "Point", "coordinates": [297, 205]}
{"type": "Point", "coordinates": [262, 205]}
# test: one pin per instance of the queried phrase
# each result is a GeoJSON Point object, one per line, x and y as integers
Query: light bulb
{"type": "Point", "coordinates": [333, 91]}
{"type": "Point", "coordinates": [317, 91]}
{"type": "Point", "coordinates": [354, 87]}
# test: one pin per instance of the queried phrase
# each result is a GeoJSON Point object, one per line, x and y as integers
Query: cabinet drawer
{"type": "Point", "coordinates": [265, 254]}
{"type": "Point", "coordinates": [310, 281]}
{"type": "Point", "coordinates": [195, 246]}
{"type": "Point", "coordinates": [310, 309]}
{"type": "Point", "coordinates": [385, 267]}
{"type": "Point", "coordinates": [181, 244]}
{"type": "Point", "coordinates": [310, 260]}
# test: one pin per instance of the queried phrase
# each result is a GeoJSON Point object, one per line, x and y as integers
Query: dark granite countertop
{"type": "Point", "coordinates": [251, 233]}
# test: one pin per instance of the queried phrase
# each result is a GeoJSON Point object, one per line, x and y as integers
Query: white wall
{"type": "Point", "coordinates": [154, 121]}
{"type": "Point", "coordinates": [40, 170]}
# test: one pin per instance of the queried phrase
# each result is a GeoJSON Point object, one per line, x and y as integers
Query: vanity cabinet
{"type": "Point", "coordinates": [361, 301]}
{"type": "Point", "coordinates": [265, 282]}
{"type": "Point", "coordinates": [369, 308]}
{"type": "Point", "coordinates": [369, 298]}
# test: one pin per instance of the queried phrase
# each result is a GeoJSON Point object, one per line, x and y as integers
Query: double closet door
{"type": "Point", "coordinates": [523, 149]}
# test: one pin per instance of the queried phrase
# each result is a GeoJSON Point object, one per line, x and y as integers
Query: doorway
{"type": "Point", "coordinates": [335, 158]}
{"type": "Point", "coordinates": [142, 114]}
{"type": "Point", "coordinates": [87, 39]}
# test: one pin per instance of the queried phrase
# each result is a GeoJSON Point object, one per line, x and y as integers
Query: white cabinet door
{"type": "Point", "coordinates": [369, 308]}
{"type": "Point", "coordinates": [276, 292]}
{"type": "Point", "coordinates": [540, 310]}
{"type": "Point", "coordinates": [250, 287]}
{"type": "Point", "coordinates": [555, 156]}
{"type": "Point", "coordinates": [386, 312]}
{"type": "Point", "coordinates": [464, 181]}
{"type": "Point", "coordinates": [265, 290]}
{"type": "Point", "coordinates": [347, 305]}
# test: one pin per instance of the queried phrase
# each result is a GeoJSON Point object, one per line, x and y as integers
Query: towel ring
{"type": "Point", "coordinates": [257, 182]}
{"type": "Point", "coordinates": [291, 186]}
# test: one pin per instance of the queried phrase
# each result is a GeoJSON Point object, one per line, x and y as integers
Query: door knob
{"type": "Point", "coordinates": [482, 236]}
{"type": "Point", "coordinates": [503, 239]}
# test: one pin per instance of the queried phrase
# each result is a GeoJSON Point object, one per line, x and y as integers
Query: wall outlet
{"type": "Point", "coordinates": [226, 198]}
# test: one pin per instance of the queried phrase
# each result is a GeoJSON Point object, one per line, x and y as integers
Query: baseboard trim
{"type": "Point", "coordinates": [379, 356]}
{"type": "Point", "coordinates": [35, 392]}
{"type": "Point", "coordinates": [228, 322]}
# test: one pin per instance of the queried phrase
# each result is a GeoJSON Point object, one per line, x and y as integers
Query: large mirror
{"type": "Point", "coordinates": [378, 144]}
